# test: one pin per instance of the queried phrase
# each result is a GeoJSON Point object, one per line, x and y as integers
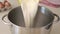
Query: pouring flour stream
{"type": "Point", "coordinates": [29, 8]}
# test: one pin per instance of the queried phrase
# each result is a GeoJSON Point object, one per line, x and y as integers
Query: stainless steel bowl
{"type": "Point", "coordinates": [41, 24]}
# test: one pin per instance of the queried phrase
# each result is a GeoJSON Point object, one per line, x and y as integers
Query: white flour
{"type": "Point", "coordinates": [29, 8]}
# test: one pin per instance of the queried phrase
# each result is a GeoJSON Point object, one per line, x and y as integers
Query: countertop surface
{"type": "Point", "coordinates": [4, 28]}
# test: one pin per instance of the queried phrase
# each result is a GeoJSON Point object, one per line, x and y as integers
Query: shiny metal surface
{"type": "Point", "coordinates": [43, 17]}
{"type": "Point", "coordinates": [16, 17]}
{"type": "Point", "coordinates": [41, 25]}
